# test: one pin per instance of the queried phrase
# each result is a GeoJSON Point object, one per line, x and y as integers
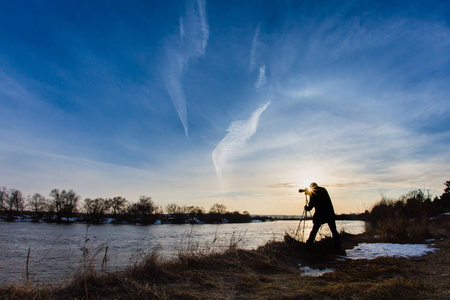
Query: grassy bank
{"type": "Point", "coordinates": [269, 272]}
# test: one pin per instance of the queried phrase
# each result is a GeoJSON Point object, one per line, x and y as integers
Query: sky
{"type": "Point", "coordinates": [233, 102]}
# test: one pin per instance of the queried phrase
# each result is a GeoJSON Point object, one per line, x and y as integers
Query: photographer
{"type": "Point", "coordinates": [324, 213]}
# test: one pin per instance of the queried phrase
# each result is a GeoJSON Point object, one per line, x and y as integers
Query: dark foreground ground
{"type": "Point", "coordinates": [270, 272]}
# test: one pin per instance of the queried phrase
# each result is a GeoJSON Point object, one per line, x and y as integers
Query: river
{"type": "Point", "coordinates": [56, 250]}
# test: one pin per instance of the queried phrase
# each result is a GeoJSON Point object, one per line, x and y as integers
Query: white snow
{"type": "Point", "coordinates": [194, 220]}
{"type": "Point", "coordinates": [373, 250]}
{"type": "Point", "coordinates": [307, 271]}
{"type": "Point", "coordinates": [23, 219]}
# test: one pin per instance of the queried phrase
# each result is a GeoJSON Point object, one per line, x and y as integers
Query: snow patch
{"type": "Point", "coordinates": [195, 220]}
{"type": "Point", "coordinates": [374, 250]}
{"type": "Point", "coordinates": [23, 219]}
{"type": "Point", "coordinates": [307, 271]}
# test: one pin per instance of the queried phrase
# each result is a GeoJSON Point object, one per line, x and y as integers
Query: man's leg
{"type": "Point", "coordinates": [336, 239]}
{"type": "Point", "coordinates": [312, 235]}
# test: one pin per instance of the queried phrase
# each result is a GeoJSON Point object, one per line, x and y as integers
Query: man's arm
{"type": "Point", "coordinates": [310, 204]}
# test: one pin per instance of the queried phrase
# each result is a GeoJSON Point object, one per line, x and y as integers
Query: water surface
{"type": "Point", "coordinates": [56, 249]}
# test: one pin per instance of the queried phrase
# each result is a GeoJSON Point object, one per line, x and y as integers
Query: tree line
{"type": "Point", "coordinates": [64, 206]}
{"type": "Point", "coordinates": [406, 218]}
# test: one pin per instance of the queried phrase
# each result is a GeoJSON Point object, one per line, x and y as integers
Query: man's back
{"type": "Point", "coordinates": [322, 202]}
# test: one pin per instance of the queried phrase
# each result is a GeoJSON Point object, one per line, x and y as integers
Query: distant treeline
{"type": "Point", "coordinates": [405, 219]}
{"type": "Point", "coordinates": [64, 206]}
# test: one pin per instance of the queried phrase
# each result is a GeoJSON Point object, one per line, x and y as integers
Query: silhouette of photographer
{"type": "Point", "coordinates": [324, 213]}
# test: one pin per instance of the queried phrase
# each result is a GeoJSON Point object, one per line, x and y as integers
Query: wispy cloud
{"type": "Point", "coordinates": [238, 134]}
{"type": "Point", "coordinates": [180, 50]}
{"type": "Point", "coordinates": [10, 88]}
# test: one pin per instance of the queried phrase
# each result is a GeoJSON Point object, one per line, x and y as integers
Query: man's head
{"type": "Point", "coordinates": [313, 185]}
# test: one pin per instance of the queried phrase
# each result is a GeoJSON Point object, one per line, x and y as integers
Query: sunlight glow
{"type": "Point", "coordinates": [312, 172]}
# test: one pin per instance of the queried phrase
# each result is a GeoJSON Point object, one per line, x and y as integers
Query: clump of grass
{"type": "Point", "coordinates": [400, 230]}
{"type": "Point", "coordinates": [397, 288]}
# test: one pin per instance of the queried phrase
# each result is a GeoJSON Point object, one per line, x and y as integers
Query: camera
{"type": "Point", "coordinates": [305, 190]}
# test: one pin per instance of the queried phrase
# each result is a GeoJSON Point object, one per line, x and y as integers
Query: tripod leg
{"type": "Point", "coordinates": [302, 219]}
{"type": "Point", "coordinates": [298, 228]}
{"type": "Point", "coordinates": [304, 225]}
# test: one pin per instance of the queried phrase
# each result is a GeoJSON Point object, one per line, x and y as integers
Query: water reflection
{"type": "Point", "coordinates": [56, 249]}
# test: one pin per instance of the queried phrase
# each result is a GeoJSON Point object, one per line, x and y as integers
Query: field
{"type": "Point", "coordinates": [270, 272]}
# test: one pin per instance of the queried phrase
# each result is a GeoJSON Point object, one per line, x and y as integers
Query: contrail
{"type": "Point", "coordinates": [172, 74]}
{"type": "Point", "coordinates": [261, 77]}
{"type": "Point", "coordinates": [182, 49]}
{"type": "Point", "coordinates": [254, 51]}
{"type": "Point", "coordinates": [194, 29]}
{"type": "Point", "coordinates": [238, 134]}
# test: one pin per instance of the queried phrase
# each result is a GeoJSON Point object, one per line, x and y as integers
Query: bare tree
{"type": "Point", "coordinates": [57, 201]}
{"type": "Point", "coordinates": [171, 208]}
{"type": "Point", "coordinates": [96, 209]}
{"type": "Point", "coordinates": [217, 211]}
{"type": "Point", "coordinates": [144, 209]}
{"type": "Point", "coordinates": [196, 210]}
{"type": "Point", "coordinates": [64, 203]}
{"type": "Point", "coordinates": [38, 204]}
{"type": "Point", "coordinates": [16, 200]}
{"type": "Point", "coordinates": [118, 205]}
{"type": "Point", "coordinates": [218, 208]}
{"type": "Point", "coordinates": [70, 203]}
{"type": "Point", "coordinates": [4, 196]}
{"type": "Point", "coordinates": [146, 206]}
{"type": "Point", "coordinates": [179, 214]}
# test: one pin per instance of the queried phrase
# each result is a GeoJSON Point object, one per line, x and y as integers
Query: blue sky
{"type": "Point", "coordinates": [236, 102]}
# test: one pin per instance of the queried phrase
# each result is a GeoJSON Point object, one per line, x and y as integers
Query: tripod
{"type": "Point", "coordinates": [302, 218]}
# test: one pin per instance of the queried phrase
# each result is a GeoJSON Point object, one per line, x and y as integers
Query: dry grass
{"type": "Point", "coordinates": [270, 272]}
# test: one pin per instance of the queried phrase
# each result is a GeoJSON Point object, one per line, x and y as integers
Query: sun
{"type": "Point", "coordinates": [310, 173]}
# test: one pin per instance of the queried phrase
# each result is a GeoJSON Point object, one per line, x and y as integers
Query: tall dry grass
{"type": "Point", "coordinates": [269, 272]}
{"type": "Point", "coordinates": [402, 220]}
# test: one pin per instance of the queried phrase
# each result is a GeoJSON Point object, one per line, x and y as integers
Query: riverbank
{"type": "Point", "coordinates": [156, 219]}
{"type": "Point", "coordinates": [163, 219]}
{"type": "Point", "coordinates": [275, 270]}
